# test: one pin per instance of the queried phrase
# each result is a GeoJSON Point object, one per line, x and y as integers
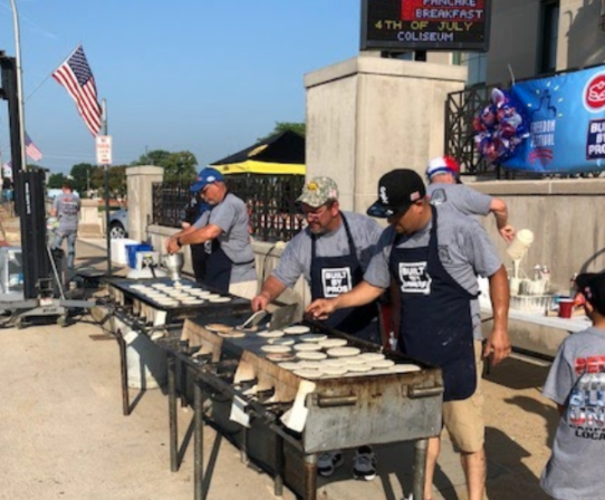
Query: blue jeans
{"type": "Point", "coordinates": [71, 245]}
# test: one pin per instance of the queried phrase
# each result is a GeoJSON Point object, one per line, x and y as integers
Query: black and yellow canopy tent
{"type": "Point", "coordinates": [279, 154]}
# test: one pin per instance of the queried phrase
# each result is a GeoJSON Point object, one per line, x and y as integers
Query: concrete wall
{"type": "Point", "coordinates": [140, 198]}
{"type": "Point", "coordinates": [565, 216]}
{"type": "Point", "coordinates": [515, 37]}
{"type": "Point", "coordinates": [367, 115]}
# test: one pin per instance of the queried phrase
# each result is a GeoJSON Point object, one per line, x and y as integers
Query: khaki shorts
{"type": "Point", "coordinates": [464, 419]}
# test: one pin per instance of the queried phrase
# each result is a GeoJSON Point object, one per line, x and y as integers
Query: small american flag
{"type": "Point", "coordinates": [31, 149]}
{"type": "Point", "coordinates": [75, 75]}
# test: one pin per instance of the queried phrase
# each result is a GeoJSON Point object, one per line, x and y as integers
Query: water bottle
{"type": "Point", "coordinates": [392, 341]}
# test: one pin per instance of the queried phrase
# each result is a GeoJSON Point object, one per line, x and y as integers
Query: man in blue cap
{"type": "Point", "coordinates": [224, 232]}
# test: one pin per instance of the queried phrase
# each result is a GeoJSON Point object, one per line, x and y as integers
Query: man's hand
{"type": "Point", "coordinates": [498, 344]}
{"type": "Point", "coordinates": [508, 233]}
{"type": "Point", "coordinates": [321, 308]}
{"type": "Point", "coordinates": [260, 302]}
{"type": "Point", "coordinates": [172, 246]}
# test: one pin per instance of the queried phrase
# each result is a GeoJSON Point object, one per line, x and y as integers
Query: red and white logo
{"type": "Point", "coordinates": [594, 94]}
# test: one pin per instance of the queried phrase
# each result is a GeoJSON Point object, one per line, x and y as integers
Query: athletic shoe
{"type": "Point", "coordinates": [364, 465]}
{"type": "Point", "coordinates": [327, 463]}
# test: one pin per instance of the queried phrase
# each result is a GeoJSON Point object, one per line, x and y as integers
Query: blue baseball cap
{"type": "Point", "coordinates": [205, 177]}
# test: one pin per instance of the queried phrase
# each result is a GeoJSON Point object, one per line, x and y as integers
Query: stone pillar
{"type": "Point", "coordinates": [369, 115]}
{"type": "Point", "coordinates": [89, 224]}
{"type": "Point", "coordinates": [140, 198]}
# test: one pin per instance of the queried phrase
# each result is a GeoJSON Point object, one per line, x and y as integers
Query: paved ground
{"type": "Point", "coordinates": [63, 434]}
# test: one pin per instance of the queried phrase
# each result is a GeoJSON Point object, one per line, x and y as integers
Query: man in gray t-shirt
{"type": "Point", "coordinates": [576, 382]}
{"type": "Point", "coordinates": [445, 189]}
{"type": "Point", "coordinates": [66, 208]}
{"type": "Point", "coordinates": [224, 230]}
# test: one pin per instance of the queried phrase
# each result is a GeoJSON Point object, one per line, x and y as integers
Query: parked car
{"type": "Point", "coordinates": [118, 224]}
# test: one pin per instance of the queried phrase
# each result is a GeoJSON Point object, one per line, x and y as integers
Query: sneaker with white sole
{"type": "Point", "coordinates": [327, 463]}
{"type": "Point", "coordinates": [364, 465]}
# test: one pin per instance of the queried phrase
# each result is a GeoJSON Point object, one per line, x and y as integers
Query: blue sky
{"type": "Point", "coordinates": [209, 76]}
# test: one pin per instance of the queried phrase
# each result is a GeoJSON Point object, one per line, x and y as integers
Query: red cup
{"type": "Point", "coordinates": [565, 308]}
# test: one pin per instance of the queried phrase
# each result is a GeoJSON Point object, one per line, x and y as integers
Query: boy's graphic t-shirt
{"type": "Point", "coordinates": [577, 381]}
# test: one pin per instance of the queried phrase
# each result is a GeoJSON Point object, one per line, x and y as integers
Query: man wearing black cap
{"type": "Point", "coordinates": [224, 231]}
{"type": "Point", "coordinates": [576, 382]}
{"type": "Point", "coordinates": [433, 256]}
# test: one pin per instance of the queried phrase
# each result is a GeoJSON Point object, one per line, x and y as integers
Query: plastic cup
{"type": "Point", "coordinates": [565, 308]}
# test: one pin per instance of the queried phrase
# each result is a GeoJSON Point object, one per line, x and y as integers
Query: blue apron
{"type": "Point", "coordinates": [436, 322]}
{"type": "Point", "coordinates": [332, 276]}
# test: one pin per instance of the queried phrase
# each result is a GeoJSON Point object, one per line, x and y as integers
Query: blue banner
{"type": "Point", "coordinates": [566, 115]}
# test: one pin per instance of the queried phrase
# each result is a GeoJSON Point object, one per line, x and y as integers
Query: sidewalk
{"type": "Point", "coordinates": [63, 434]}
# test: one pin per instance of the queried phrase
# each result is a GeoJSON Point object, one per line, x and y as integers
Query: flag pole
{"type": "Point", "coordinates": [19, 85]}
{"type": "Point", "coordinates": [106, 182]}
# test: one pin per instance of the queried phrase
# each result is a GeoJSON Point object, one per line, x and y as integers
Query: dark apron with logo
{"type": "Point", "coordinates": [332, 276]}
{"type": "Point", "coordinates": [436, 322]}
{"type": "Point", "coordinates": [218, 266]}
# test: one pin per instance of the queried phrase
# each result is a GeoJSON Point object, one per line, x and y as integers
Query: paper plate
{"type": "Point", "coordinates": [296, 330]}
{"type": "Point", "coordinates": [329, 343]}
{"type": "Point", "coordinates": [219, 299]}
{"type": "Point", "coordinates": [280, 341]}
{"type": "Point", "coordinates": [271, 334]}
{"type": "Point", "coordinates": [341, 352]}
{"type": "Point", "coordinates": [313, 337]}
{"type": "Point", "coordinates": [406, 368]}
{"type": "Point", "coordinates": [309, 374]}
{"type": "Point", "coordinates": [311, 355]}
{"type": "Point", "coordinates": [371, 356]}
{"type": "Point", "coordinates": [275, 348]}
{"type": "Point", "coordinates": [307, 346]}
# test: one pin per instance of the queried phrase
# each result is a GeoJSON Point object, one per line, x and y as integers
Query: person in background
{"type": "Point", "coordinates": [193, 212]}
{"type": "Point", "coordinates": [66, 208]}
{"type": "Point", "coordinates": [332, 253]}
{"type": "Point", "coordinates": [433, 256]}
{"type": "Point", "coordinates": [230, 266]}
{"type": "Point", "coordinates": [443, 174]}
{"type": "Point", "coordinates": [576, 383]}
{"type": "Point", "coordinates": [7, 191]}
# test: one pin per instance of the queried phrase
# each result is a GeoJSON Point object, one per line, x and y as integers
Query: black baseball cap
{"type": "Point", "coordinates": [592, 286]}
{"type": "Point", "coordinates": [397, 191]}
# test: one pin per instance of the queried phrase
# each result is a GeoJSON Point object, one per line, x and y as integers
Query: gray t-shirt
{"type": "Point", "coordinates": [577, 380]}
{"type": "Point", "coordinates": [465, 251]}
{"type": "Point", "coordinates": [462, 198]}
{"type": "Point", "coordinates": [67, 207]}
{"type": "Point", "coordinates": [296, 258]}
{"type": "Point", "coordinates": [231, 216]}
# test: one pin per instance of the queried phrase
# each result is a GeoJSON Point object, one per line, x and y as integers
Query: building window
{"type": "Point", "coordinates": [477, 67]}
{"type": "Point", "coordinates": [550, 36]}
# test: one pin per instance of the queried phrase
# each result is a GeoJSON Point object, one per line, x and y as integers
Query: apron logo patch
{"type": "Point", "coordinates": [336, 281]}
{"type": "Point", "coordinates": [414, 277]}
{"type": "Point", "coordinates": [208, 246]}
{"type": "Point", "coordinates": [438, 197]}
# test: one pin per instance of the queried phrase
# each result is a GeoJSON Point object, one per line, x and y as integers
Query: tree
{"type": "Point", "coordinates": [179, 167]}
{"type": "Point", "coordinates": [56, 181]}
{"type": "Point", "coordinates": [116, 181]}
{"type": "Point", "coordinates": [299, 128]}
{"type": "Point", "coordinates": [81, 175]}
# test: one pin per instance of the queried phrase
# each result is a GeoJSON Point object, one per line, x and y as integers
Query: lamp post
{"type": "Point", "coordinates": [19, 85]}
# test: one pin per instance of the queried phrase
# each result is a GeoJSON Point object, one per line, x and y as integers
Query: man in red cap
{"type": "Point", "coordinates": [443, 174]}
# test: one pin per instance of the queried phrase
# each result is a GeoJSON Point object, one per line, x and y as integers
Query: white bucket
{"type": "Point", "coordinates": [518, 248]}
{"type": "Point", "coordinates": [145, 361]}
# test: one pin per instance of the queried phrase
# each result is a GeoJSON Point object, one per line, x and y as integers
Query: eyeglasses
{"type": "Point", "coordinates": [317, 213]}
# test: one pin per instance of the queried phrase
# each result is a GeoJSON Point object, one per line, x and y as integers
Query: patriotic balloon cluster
{"type": "Point", "coordinates": [500, 128]}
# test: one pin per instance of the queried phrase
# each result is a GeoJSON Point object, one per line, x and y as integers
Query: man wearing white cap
{"type": "Point", "coordinates": [443, 174]}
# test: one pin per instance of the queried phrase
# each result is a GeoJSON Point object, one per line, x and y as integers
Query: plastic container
{"type": "Point", "coordinates": [518, 248]}
{"type": "Point", "coordinates": [131, 252]}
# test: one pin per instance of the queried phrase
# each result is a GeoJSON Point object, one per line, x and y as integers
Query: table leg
{"type": "Point", "coordinates": [198, 442]}
{"type": "Point", "coordinates": [174, 433]}
{"type": "Point", "coordinates": [278, 481]}
{"type": "Point", "coordinates": [243, 452]}
{"type": "Point", "coordinates": [183, 394]}
{"type": "Point", "coordinates": [420, 447]}
{"type": "Point", "coordinates": [310, 486]}
{"type": "Point", "coordinates": [123, 374]}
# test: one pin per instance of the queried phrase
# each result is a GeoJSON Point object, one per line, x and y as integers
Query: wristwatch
{"type": "Point", "coordinates": [178, 242]}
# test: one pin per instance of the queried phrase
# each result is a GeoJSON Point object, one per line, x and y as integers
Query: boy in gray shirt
{"type": "Point", "coordinates": [576, 382]}
{"type": "Point", "coordinates": [66, 208]}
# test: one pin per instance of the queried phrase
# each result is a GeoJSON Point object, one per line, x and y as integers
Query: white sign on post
{"type": "Point", "coordinates": [103, 149]}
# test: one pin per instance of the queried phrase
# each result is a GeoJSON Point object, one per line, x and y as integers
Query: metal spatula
{"type": "Point", "coordinates": [253, 320]}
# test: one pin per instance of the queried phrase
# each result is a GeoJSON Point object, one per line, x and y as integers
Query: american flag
{"type": "Point", "coordinates": [31, 149]}
{"type": "Point", "coordinates": [75, 75]}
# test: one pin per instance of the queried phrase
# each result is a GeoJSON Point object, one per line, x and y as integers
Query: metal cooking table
{"type": "Point", "coordinates": [390, 408]}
